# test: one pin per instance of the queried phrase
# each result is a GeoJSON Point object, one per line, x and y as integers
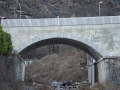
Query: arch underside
{"type": "Point", "coordinates": [88, 49]}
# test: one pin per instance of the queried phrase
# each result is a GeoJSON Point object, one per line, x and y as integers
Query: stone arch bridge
{"type": "Point", "coordinates": [98, 36]}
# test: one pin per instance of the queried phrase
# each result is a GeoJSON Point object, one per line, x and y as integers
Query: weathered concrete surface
{"type": "Point", "coordinates": [91, 70]}
{"type": "Point", "coordinates": [102, 38]}
{"type": "Point", "coordinates": [102, 71]}
{"type": "Point", "coordinates": [109, 70]}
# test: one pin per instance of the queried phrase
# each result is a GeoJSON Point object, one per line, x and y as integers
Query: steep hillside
{"type": "Point", "coordinates": [62, 67]}
{"type": "Point", "coordinates": [54, 8]}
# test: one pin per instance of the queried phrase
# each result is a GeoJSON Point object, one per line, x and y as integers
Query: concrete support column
{"type": "Point", "coordinates": [102, 71]}
{"type": "Point", "coordinates": [93, 72]}
{"type": "Point", "coordinates": [89, 75]}
{"type": "Point", "coordinates": [22, 71]}
{"type": "Point", "coordinates": [17, 66]}
{"type": "Point", "coordinates": [24, 64]}
{"type": "Point", "coordinates": [91, 69]}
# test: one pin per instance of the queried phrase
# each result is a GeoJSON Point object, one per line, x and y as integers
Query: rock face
{"type": "Point", "coordinates": [54, 8]}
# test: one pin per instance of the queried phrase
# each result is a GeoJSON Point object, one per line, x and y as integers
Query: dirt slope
{"type": "Point", "coordinates": [59, 67]}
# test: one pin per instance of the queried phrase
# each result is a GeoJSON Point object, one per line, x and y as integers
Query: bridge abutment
{"type": "Point", "coordinates": [16, 67]}
{"type": "Point", "coordinates": [104, 71]}
{"type": "Point", "coordinates": [109, 70]}
{"type": "Point", "coordinates": [91, 69]}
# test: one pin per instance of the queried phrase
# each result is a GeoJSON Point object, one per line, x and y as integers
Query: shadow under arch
{"type": "Point", "coordinates": [88, 49]}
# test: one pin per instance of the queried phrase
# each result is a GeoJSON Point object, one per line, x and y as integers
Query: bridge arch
{"type": "Point", "coordinates": [78, 42]}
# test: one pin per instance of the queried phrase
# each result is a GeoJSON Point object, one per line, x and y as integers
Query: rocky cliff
{"type": "Point", "coordinates": [54, 8]}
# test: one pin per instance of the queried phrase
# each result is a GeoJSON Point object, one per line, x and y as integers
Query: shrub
{"type": "Point", "coordinates": [5, 42]}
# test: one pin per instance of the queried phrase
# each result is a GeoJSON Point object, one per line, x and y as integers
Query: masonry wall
{"type": "Point", "coordinates": [114, 69]}
{"type": "Point", "coordinates": [3, 69]}
{"type": "Point", "coordinates": [109, 71]}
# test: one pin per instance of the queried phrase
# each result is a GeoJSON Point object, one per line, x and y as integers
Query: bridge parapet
{"type": "Point", "coordinates": [60, 21]}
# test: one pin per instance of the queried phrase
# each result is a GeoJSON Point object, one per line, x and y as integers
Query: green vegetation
{"type": "Point", "coordinates": [5, 42]}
